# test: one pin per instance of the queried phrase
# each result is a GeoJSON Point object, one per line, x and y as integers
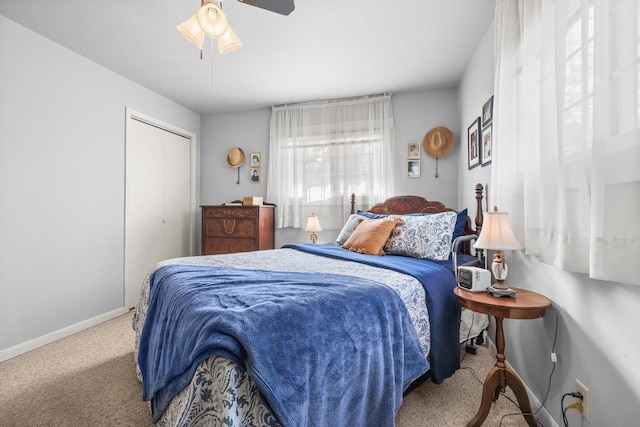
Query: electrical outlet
{"type": "Point", "coordinates": [586, 400]}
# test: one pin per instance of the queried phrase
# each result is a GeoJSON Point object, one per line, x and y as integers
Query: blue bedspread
{"type": "Point", "coordinates": [438, 282]}
{"type": "Point", "coordinates": [329, 352]}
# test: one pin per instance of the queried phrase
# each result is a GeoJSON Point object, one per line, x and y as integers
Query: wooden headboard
{"type": "Point", "coordinates": [401, 205]}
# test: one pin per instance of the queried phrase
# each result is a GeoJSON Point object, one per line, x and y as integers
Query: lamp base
{"type": "Point", "coordinates": [499, 289]}
{"type": "Point", "coordinates": [499, 284]}
{"type": "Point", "coordinates": [500, 269]}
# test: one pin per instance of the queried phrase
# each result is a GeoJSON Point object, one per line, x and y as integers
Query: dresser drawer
{"type": "Point", "coordinates": [214, 246]}
{"type": "Point", "coordinates": [228, 227]}
{"type": "Point", "coordinates": [248, 212]}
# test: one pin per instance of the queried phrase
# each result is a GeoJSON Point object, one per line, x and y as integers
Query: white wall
{"type": "Point", "coordinates": [597, 339]}
{"type": "Point", "coordinates": [476, 87]}
{"type": "Point", "coordinates": [62, 136]}
{"type": "Point", "coordinates": [415, 113]}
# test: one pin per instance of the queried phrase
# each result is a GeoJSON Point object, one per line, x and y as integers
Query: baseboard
{"type": "Point", "coordinates": [545, 418]}
{"type": "Point", "coordinates": [26, 346]}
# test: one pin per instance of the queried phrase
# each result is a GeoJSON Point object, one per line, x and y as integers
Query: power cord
{"type": "Point", "coordinates": [553, 351]}
{"type": "Point", "coordinates": [574, 405]}
{"type": "Point", "coordinates": [516, 414]}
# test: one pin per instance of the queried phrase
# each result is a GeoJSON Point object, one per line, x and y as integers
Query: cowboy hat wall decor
{"type": "Point", "coordinates": [438, 142]}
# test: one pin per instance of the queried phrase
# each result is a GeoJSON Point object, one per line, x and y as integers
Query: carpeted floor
{"type": "Point", "coordinates": [88, 379]}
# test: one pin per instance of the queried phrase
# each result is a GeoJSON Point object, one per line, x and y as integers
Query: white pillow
{"type": "Point", "coordinates": [348, 228]}
{"type": "Point", "coordinates": [427, 237]}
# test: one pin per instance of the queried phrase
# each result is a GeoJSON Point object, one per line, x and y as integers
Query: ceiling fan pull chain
{"type": "Point", "coordinates": [211, 44]}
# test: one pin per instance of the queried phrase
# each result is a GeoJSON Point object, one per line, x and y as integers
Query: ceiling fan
{"type": "Point", "coordinates": [283, 7]}
{"type": "Point", "coordinates": [210, 20]}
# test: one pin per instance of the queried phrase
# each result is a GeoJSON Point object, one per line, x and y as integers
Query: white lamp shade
{"type": "Point", "coordinates": [313, 224]}
{"type": "Point", "coordinates": [496, 233]}
{"type": "Point", "coordinates": [212, 20]}
{"type": "Point", "coordinates": [228, 42]}
{"type": "Point", "coordinates": [190, 30]}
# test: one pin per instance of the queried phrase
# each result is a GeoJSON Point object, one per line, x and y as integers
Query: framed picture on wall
{"type": "Point", "coordinates": [486, 147]}
{"type": "Point", "coordinates": [487, 112]}
{"type": "Point", "coordinates": [413, 168]}
{"type": "Point", "coordinates": [473, 143]}
{"type": "Point", "coordinates": [255, 160]}
{"type": "Point", "coordinates": [413, 150]}
{"type": "Point", "coordinates": [255, 175]}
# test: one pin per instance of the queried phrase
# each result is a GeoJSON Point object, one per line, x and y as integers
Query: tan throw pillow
{"type": "Point", "coordinates": [371, 236]}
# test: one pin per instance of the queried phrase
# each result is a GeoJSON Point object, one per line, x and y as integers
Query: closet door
{"type": "Point", "coordinates": [157, 223]}
{"type": "Point", "coordinates": [175, 207]}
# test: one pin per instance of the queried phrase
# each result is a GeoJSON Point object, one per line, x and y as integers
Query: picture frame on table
{"type": "Point", "coordinates": [487, 112]}
{"type": "Point", "coordinates": [413, 168]}
{"type": "Point", "coordinates": [413, 150]}
{"type": "Point", "coordinates": [486, 146]}
{"type": "Point", "coordinates": [473, 144]}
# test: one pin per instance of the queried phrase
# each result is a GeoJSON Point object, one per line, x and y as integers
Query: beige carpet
{"type": "Point", "coordinates": [88, 379]}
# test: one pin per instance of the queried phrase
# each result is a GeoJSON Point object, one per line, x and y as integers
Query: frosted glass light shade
{"type": "Point", "coordinates": [212, 20]}
{"type": "Point", "coordinates": [190, 30]}
{"type": "Point", "coordinates": [496, 233]}
{"type": "Point", "coordinates": [229, 42]}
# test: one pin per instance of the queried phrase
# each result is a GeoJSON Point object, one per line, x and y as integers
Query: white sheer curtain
{"type": "Point", "coordinates": [566, 161]}
{"type": "Point", "coordinates": [322, 152]}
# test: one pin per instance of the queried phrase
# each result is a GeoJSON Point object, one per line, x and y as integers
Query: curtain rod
{"type": "Point", "coordinates": [357, 98]}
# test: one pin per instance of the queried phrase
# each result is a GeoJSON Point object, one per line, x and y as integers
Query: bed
{"type": "Point", "coordinates": [307, 334]}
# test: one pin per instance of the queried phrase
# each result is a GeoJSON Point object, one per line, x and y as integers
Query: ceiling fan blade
{"type": "Point", "coordinates": [283, 7]}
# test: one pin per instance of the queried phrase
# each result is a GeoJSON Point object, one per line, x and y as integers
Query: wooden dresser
{"type": "Point", "coordinates": [228, 229]}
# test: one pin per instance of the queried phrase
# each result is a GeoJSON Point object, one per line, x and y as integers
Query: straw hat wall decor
{"type": "Point", "coordinates": [235, 159]}
{"type": "Point", "coordinates": [438, 142]}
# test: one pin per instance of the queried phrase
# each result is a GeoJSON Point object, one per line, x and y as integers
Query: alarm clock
{"type": "Point", "coordinates": [474, 279]}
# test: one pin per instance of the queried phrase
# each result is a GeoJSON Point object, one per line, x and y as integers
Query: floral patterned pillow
{"type": "Point", "coordinates": [426, 237]}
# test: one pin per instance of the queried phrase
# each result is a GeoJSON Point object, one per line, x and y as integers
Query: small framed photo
{"type": "Point", "coordinates": [487, 112]}
{"type": "Point", "coordinates": [413, 150]}
{"type": "Point", "coordinates": [255, 175]}
{"type": "Point", "coordinates": [473, 143]}
{"type": "Point", "coordinates": [255, 160]}
{"type": "Point", "coordinates": [486, 147]}
{"type": "Point", "coordinates": [413, 168]}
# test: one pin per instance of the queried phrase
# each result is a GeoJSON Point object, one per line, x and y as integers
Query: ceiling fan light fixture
{"type": "Point", "coordinates": [212, 20]}
{"type": "Point", "coordinates": [229, 42]}
{"type": "Point", "coordinates": [190, 30]}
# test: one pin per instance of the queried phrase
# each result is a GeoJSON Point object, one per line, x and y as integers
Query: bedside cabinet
{"type": "Point", "coordinates": [229, 229]}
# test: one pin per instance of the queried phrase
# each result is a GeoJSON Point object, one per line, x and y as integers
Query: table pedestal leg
{"type": "Point", "coordinates": [498, 379]}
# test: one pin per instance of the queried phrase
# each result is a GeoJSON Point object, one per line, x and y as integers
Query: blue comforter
{"type": "Point", "coordinates": [334, 351]}
{"type": "Point", "coordinates": [438, 282]}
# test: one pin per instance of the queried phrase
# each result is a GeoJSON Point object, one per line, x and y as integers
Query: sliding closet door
{"type": "Point", "coordinates": [158, 206]}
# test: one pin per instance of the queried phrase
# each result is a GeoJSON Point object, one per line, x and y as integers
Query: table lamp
{"type": "Point", "coordinates": [313, 225]}
{"type": "Point", "coordinates": [496, 235]}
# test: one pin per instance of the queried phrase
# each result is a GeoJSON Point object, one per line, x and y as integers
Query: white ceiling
{"type": "Point", "coordinates": [322, 50]}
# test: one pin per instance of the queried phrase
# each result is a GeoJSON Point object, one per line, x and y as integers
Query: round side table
{"type": "Point", "coordinates": [526, 305]}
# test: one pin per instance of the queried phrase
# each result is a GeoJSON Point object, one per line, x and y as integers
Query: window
{"type": "Point", "coordinates": [322, 152]}
{"type": "Point", "coordinates": [567, 132]}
